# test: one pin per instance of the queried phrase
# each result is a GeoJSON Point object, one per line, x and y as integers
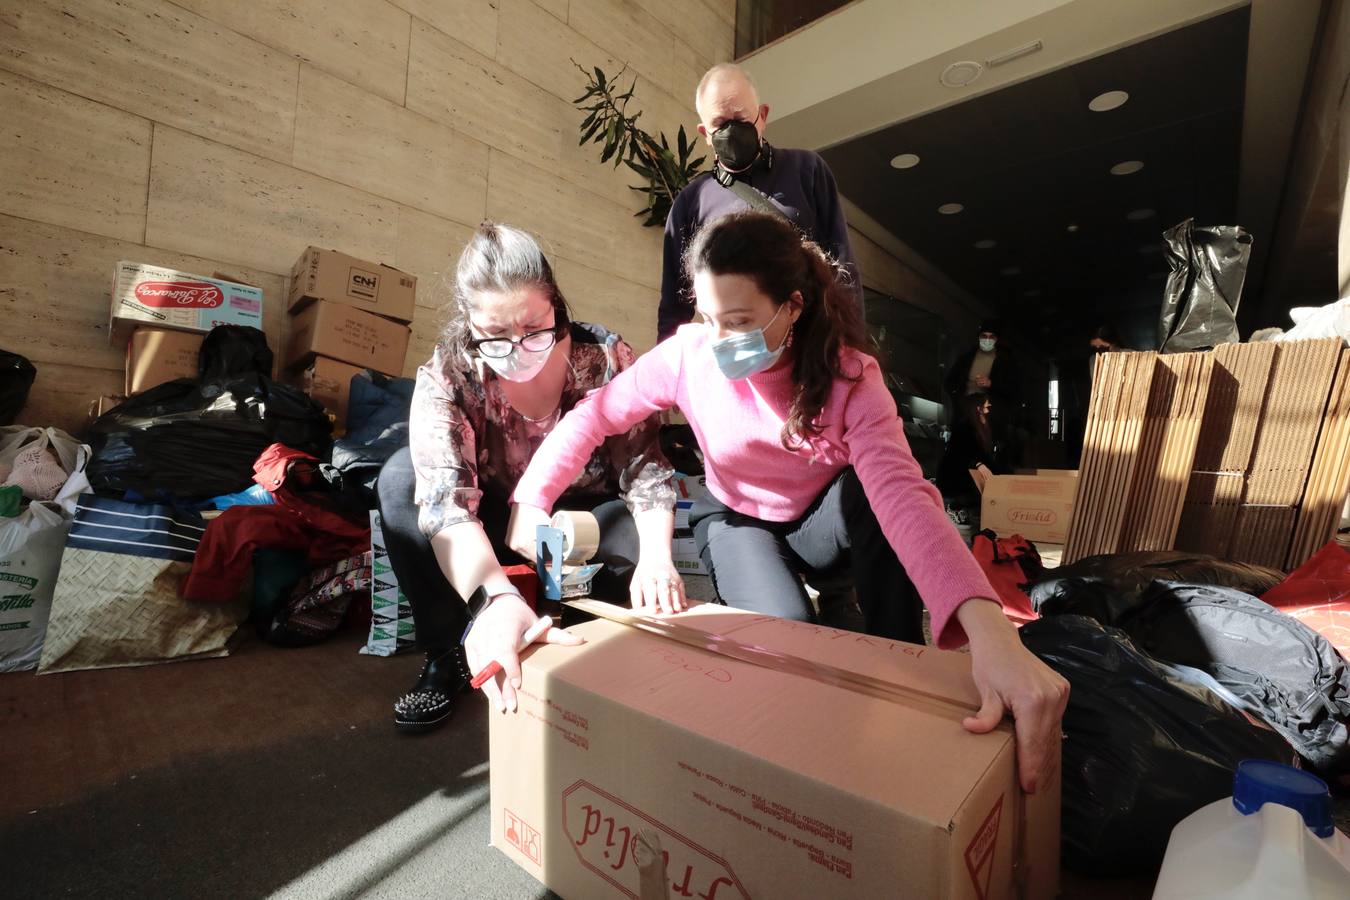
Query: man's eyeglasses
{"type": "Point", "coordinates": [535, 342]}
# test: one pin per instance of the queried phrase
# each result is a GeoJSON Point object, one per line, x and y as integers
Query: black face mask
{"type": "Point", "coordinates": [736, 144]}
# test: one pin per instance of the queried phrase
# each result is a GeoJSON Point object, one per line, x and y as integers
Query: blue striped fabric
{"type": "Point", "coordinates": [135, 529]}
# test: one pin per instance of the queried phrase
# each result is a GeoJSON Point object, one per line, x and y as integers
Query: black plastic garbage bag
{"type": "Point", "coordinates": [193, 439]}
{"type": "Point", "coordinates": [16, 378]}
{"type": "Point", "coordinates": [1146, 744]}
{"type": "Point", "coordinates": [1108, 586]}
{"type": "Point", "coordinates": [1274, 666]}
{"type": "Point", "coordinates": [1200, 301]}
{"type": "Point", "coordinates": [234, 350]}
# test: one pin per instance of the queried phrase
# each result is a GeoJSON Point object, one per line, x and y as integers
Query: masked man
{"type": "Point", "coordinates": [747, 172]}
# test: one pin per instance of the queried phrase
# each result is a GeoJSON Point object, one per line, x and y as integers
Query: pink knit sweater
{"type": "Point", "coordinates": [738, 426]}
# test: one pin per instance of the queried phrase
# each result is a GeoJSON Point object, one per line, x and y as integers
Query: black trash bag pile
{"type": "Point", "coordinates": [1270, 664]}
{"type": "Point", "coordinates": [16, 379]}
{"type": "Point", "coordinates": [197, 438]}
{"type": "Point", "coordinates": [1200, 301]}
{"type": "Point", "coordinates": [1146, 745]}
{"type": "Point", "coordinates": [1109, 586]}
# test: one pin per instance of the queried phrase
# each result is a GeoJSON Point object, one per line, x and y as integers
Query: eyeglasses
{"type": "Point", "coordinates": [534, 341]}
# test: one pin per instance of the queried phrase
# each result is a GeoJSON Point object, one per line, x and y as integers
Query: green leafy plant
{"type": "Point", "coordinates": [668, 170]}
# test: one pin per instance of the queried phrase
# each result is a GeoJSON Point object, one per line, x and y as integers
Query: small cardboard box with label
{"type": "Point", "coordinates": [157, 355]}
{"type": "Point", "coordinates": [683, 548]}
{"type": "Point", "coordinates": [349, 335]}
{"type": "Point", "coordinates": [723, 754]}
{"type": "Point", "coordinates": [167, 298]}
{"type": "Point", "coordinates": [338, 278]}
{"type": "Point", "coordinates": [1037, 505]}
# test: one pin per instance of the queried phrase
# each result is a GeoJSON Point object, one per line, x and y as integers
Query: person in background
{"type": "Point", "coordinates": [1076, 388]}
{"type": "Point", "coordinates": [508, 365]}
{"type": "Point", "coordinates": [990, 368]}
{"type": "Point", "coordinates": [971, 445]}
{"type": "Point", "coordinates": [796, 184]}
{"type": "Point", "coordinates": [808, 470]}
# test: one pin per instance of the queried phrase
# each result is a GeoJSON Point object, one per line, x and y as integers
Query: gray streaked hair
{"type": "Point", "coordinates": [721, 70]}
{"type": "Point", "coordinates": [498, 258]}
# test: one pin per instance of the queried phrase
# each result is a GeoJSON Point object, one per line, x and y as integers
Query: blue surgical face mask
{"type": "Point", "coordinates": [742, 355]}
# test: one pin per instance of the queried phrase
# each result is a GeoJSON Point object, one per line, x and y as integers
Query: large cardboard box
{"type": "Point", "coordinates": [836, 767]}
{"type": "Point", "coordinates": [329, 383]}
{"type": "Point", "coordinates": [157, 355]}
{"type": "Point", "coordinates": [329, 275]}
{"type": "Point", "coordinates": [167, 298]}
{"type": "Point", "coordinates": [349, 335]}
{"type": "Point", "coordinates": [1037, 505]}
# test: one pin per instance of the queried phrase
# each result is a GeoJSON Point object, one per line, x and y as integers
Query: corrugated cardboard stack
{"type": "Point", "coordinates": [1294, 412]}
{"type": "Point", "coordinates": [1262, 469]}
{"type": "Point", "coordinates": [347, 315]}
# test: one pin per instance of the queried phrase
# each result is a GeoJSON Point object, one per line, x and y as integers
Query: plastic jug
{"type": "Point", "coordinates": [1273, 839]}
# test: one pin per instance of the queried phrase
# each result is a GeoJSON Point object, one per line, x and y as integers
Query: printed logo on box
{"type": "Point", "coordinates": [1032, 516]}
{"type": "Point", "coordinates": [980, 853]}
{"type": "Point", "coordinates": [180, 294]}
{"type": "Point", "coordinates": [363, 284]}
{"type": "Point", "coordinates": [603, 831]}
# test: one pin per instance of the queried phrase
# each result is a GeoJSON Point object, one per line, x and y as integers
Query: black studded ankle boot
{"type": "Point", "coordinates": [432, 699]}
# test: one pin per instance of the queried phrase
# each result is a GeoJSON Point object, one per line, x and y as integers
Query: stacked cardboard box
{"type": "Point", "coordinates": [347, 315]}
{"type": "Point", "coordinates": [1239, 453]}
{"type": "Point", "coordinates": [684, 550]}
{"type": "Point", "coordinates": [161, 316]}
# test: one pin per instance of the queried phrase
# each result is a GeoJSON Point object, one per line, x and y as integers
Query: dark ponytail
{"type": "Point", "coordinates": [769, 250]}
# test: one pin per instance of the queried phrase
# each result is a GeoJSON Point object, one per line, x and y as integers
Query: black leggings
{"type": "Point", "coordinates": [439, 614]}
{"type": "Point", "coordinates": [756, 565]}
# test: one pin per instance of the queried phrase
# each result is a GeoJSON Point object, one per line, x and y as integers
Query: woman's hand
{"type": "Point", "coordinates": [521, 529]}
{"type": "Point", "coordinates": [657, 587]}
{"type": "Point", "coordinates": [1012, 680]}
{"type": "Point", "coordinates": [496, 636]}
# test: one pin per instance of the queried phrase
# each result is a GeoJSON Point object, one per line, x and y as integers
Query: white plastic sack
{"type": "Point", "coordinates": [1332, 320]}
{"type": "Point", "coordinates": [31, 545]}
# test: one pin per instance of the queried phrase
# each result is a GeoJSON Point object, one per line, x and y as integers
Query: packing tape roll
{"type": "Point", "coordinates": [581, 535]}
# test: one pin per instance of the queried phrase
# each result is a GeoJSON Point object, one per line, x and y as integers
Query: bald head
{"type": "Point", "coordinates": [727, 92]}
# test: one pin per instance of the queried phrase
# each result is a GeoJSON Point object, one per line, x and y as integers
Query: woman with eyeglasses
{"type": "Point", "coordinates": [510, 362]}
{"type": "Point", "coordinates": [808, 470]}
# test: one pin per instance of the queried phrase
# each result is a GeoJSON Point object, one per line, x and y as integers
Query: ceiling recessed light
{"type": "Point", "coordinates": [905, 161]}
{"type": "Point", "coordinates": [1071, 228]}
{"type": "Point", "coordinates": [1139, 215]}
{"type": "Point", "coordinates": [1108, 101]}
{"type": "Point", "coordinates": [1010, 270]}
{"type": "Point", "coordinates": [951, 209]}
{"type": "Point", "coordinates": [1128, 167]}
{"type": "Point", "coordinates": [986, 244]}
{"type": "Point", "coordinates": [960, 74]}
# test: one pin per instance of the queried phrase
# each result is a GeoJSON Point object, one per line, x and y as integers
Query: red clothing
{"type": "Point", "coordinates": [305, 518]}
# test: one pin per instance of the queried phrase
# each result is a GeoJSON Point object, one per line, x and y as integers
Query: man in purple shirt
{"type": "Point", "coordinates": [747, 172]}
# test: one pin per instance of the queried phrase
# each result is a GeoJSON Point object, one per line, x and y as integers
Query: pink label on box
{"type": "Point", "coordinates": [246, 304]}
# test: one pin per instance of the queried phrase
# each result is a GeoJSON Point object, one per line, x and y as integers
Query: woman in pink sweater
{"type": "Point", "coordinates": [809, 472]}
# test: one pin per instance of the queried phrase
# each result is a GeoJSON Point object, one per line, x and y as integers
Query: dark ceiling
{"type": "Point", "coordinates": [1031, 160]}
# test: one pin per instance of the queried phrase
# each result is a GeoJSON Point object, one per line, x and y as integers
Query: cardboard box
{"type": "Point", "coordinates": [167, 298]}
{"type": "Point", "coordinates": [338, 278]}
{"type": "Point", "coordinates": [1038, 506]}
{"type": "Point", "coordinates": [157, 355]}
{"type": "Point", "coordinates": [349, 335]}
{"type": "Point", "coordinates": [684, 554]}
{"type": "Point", "coordinates": [329, 383]}
{"type": "Point", "coordinates": [774, 780]}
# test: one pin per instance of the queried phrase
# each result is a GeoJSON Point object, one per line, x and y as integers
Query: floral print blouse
{"type": "Point", "coordinates": [466, 436]}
